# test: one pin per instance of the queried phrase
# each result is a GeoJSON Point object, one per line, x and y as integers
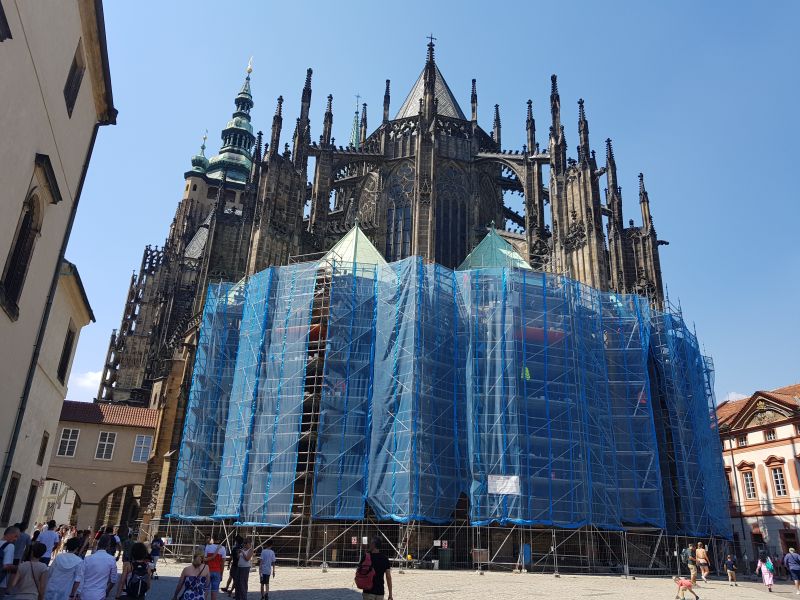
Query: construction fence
{"type": "Point", "coordinates": [328, 392]}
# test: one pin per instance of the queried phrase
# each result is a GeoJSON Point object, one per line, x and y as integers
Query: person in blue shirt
{"type": "Point", "coordinates": [730, 568]}
{"type": "Point", "coordinates": [792, 563]}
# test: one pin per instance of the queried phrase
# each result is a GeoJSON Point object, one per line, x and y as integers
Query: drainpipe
{"type": "Point", "coordinates": [23, 401]}
{"type": "Point", "coordinates": [741, 507]}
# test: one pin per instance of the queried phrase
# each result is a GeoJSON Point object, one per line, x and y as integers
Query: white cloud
{"type": "Point", "coordinates": [90, 380]}
{"type": "Point", "coordinates": [730, 396]}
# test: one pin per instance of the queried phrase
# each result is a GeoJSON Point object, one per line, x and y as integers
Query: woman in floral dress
{"type": "Point", "coordinates": [195, 580]}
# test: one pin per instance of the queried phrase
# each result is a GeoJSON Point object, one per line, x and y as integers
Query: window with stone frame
{"type": "Point", "coordinates": [54, 488]}
{"type": "Point", "coordinates": [779, 481]}
{"type": "Point", "coordinates": [400, 190]}
{"type": "Point", "coordinates": [19, 257]}
{"type": "Point", "coordinates": [43, 448]}
{"type": "Point", "coordinates": [769, 435]}
{"type": "Point", "coordinates": [141, 448]}
{"type": "Point", "coordinates": [74, 78]}
{"type": "Point", "coordinates": [105, 445]}
{"type": "Point", "coordinates": [741, 441]}
{"type": "Point", "coordinates": [749, 485]}
{"type": "Point", "coordinates": [66, 353]}
{"type": "Point", "coordinates": [10, 497]}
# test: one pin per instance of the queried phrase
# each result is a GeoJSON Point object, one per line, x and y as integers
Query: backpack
{"type": "Point", "coordinates": [137, 585]}
{"type": "Point", "coordinates": [770, 566]}
{"type": "Point", "coordinates": [685, 556]}
{"type": "Point", "coordinates": [365, 574]}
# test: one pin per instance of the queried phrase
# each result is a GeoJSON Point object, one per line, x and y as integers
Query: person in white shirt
{"type": "Point", "coordinates": [267, 568]}
{"type": "Point", "coordinates": [99, 571]}
{"type": "Point", "coordinates": [50, 539]}
{"type": "Point", "coordinates": [65, 573]}
{"type": "Point", "coordinates": [243, 572]}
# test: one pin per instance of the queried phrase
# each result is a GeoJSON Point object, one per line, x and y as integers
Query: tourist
{"type": "Point", "coordinates": [701, 554]}
{"type": "Point", "coordinates": [155, 552]}
{"type": "Point", "coordinates": [135, 580]}
{"type": "Point", "coordinates": [30, 580]}
{"type": "Point", "coordinates": [215, 559]}
{"type": "Point", "coordinates": [50, 538]}
{"type": "Point", "coordinates": [730, 569]}
{"type": "Point", "coordinates": [127, 546]}
{"type": "Point", "coordinates": [267, 568]}
{"type": "Point", "coordinates": [65, 573]}
{"type": "Point", "coordinates": [792, 563]}
{"type": "Point", "coordinates": [380, 567]}
{"type": "Point", "coordinates": [684, 585]}
{"type": "Point", "coordinates": [99, 570]}
{"type": "Point", "coordinates": [691, 562]}
{"type": "Point", "coordinates": [233, 561]}
{"type": "Point", "coordinates": [7, 557]}
{"type": "Point", "coordinates": [243, 569]}
{"type": "Point", "coordinates": [22, 544]}
{"type": "Point", "coordinates": [766, 569]}
{"type": "Point", "coordinates": [86, 543]}
{"type": "Point", "coordinates": [194, 580]}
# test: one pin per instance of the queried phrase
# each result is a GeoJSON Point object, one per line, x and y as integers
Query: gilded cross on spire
{"type": "Point", "coordinates": [249, 68]}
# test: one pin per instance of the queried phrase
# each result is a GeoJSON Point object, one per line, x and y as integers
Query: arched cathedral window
{"type": "Point", "coordinates": [451, 216]}
{"type": "Point", "coordinates": [400, 190]}
{"type": "Point", "coordinates": [21, 252]}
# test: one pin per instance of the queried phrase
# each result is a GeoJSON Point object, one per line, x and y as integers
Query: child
{"type": "Point", "coordinates": [730, 567]}
{"type": "Point", "coordinates": [267, 568]}
{"type": "Point", "coordinates": [684, 585]}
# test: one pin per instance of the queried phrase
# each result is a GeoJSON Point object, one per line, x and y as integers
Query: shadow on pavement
{"type": "Point", "coordinates": [164, 587]}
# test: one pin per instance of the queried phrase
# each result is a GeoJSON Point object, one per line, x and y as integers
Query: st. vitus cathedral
{"type": "Point", "coordinates": [428, 182]}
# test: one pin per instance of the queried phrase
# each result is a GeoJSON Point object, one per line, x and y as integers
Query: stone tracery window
{"type": "Point", "coordinates": [20, 254]}
{"type": "Point", "coordinates": [400, 190]}
{"type": "Point", "coordinates": [451, 216]}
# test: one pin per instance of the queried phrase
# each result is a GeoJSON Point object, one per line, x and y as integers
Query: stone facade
{"type": "Point", "coordinates": [428, 182]}
{"type": "Point", "coordinates": [56, 94]}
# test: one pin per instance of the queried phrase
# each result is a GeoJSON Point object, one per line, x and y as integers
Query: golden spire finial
{"type": "Point", "coordinates": [249, 66]}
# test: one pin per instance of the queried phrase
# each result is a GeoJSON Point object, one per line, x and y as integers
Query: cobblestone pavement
{"type": "Point", "coordinates": [312, 584]}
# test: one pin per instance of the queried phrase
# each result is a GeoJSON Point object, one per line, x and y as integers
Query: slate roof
{"type": "Point", "coordinates": [448, 106]}
{"type": "Point", "coordinates": [493, 252]}
{"type": "Point", "coordinates": [106, 413]}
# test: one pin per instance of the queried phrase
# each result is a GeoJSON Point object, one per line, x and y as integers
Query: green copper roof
{"type": "Point", "coordinates": [354, 247]}
{"type": "Point", "coordinates": [493, 252]}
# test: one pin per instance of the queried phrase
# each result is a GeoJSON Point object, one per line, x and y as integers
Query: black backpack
{"type": "Point", "coordinates": [137, 585]}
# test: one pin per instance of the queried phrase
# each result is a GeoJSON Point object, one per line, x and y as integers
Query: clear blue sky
{"type": "Point", "coordinates": [700, 96]}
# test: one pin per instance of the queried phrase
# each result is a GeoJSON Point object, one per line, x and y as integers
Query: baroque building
{"type": "Point", "coordinates": [429, 182]}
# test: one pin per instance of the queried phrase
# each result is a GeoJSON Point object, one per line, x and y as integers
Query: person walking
{"type": "Point", "coordinates": [194, 580]}
{"type": "Point", "coordinates": [100, 570]}
{"type": "Point", "coordinates": [30, 580]}
{"type": "Point", "coordinates": [215, 559]}
{"type": "Point", "coordinates": [684, 585]}
{"type": "Point", "coordinates": [691, 562]}
{"type": "Point", "coordinates": [22, 544]}
{"type": "Point", "coordinates": [267, 568]}
{"type": "Point", "coordinates": [50, 538]}
{"type": "Point", "coordinates": [730, 569]}
{"type": "Point", "coordinates": [381, 568]}
{"type": "Point", "coordinates": [701, 555]}
{"type": "Point", "coordinates": [230, 585]}
{"type": "Point", "coordinates": [243, 569]}
{"type": "Point", "coordinates": [792, 563]}
{"type": "Point", "coordinates": [155, 552]}
{"type": "Point", "coordinates": [766, 569]}
{"type": "Point", "coordinates": [7, 565]}
{"type": "Point", "coordinates": [65, 573]}
{"type": "Point", "coordinates": [135, 580]}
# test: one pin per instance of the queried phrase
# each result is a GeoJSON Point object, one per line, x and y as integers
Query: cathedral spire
{"type": "Point", "coordinates": [644, 204]}
{"type": "Point", "coordinates": [327, 124]}
{"type": "Point", "coordinates": [496, 126]}
{"type": "Point", "coordinates": [583, 134]}
{"type": "Point", "coordinates": [530, 127]}
{"type": "Point", "coordinates": [386, 103]}
{"type": "Point", "coordinates": [277, 124]}
{"type": "Point", "coordinates": [474, 101]}
{"type": "Point", "coordinates": [429, 80]}
{"type": "Point", "coordinates": [611, 167]}
{"type": "Point", "coordinates": [355, 131]}
{"type": "Point", "coordinates": [235, 157]}
{"type": "Point", "coordinates": [362, 136]}
{"type": "Point", "coordinates": [555, 104]}
{"type": "Point", "coordinates": [199, 161]}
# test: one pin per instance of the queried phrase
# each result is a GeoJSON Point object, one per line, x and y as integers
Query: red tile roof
{"type": "Point", "coordinates": [105, 413]}
{"type": "Point", "coordinates": [728, 410]}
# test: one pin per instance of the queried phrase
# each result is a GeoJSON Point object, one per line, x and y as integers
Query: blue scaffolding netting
{"type": "Point", "coordinates": [408, 386]}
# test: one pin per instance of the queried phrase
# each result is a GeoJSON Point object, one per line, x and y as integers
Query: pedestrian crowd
{"type": "Point", "coordinates": [52, 564]}
{"type": "Point", "coordinates": [695, 557]}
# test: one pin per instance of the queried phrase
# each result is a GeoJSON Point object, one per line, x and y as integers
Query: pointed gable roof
{"type": "Point", "coordinates": [354, 247]}
{"type": "Point", "coordinates": [447, 103]}
{"type": "Point", "coordinates": [762, 407]}
{"type": "Point", "coordinates": [493, 252]}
